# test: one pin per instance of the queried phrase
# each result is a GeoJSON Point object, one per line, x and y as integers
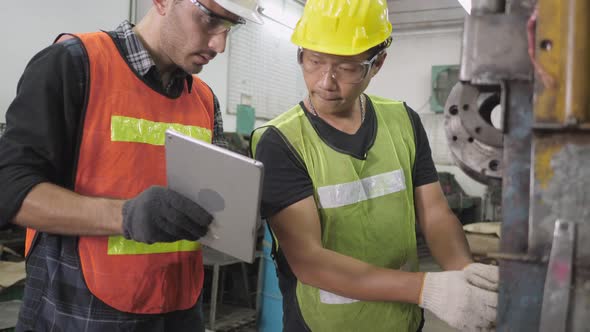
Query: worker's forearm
{"type": "Point", "coordinates": [447, 243]}
{"type": "Point", "coordinates": [52, 209]}
{"type": "Point", "coordinates": [352, 278]}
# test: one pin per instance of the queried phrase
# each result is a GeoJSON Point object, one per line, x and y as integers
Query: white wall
{"type": "Point", "coordinates": [215, 74]}
{"type": "Point", "coordinates": [406, 72]}
{"type": "Point", "coordinates": [142, 8]}
{"type": "Point", "coordinates": [405, 75]}
{"type": "Point", "coordinates": [30, 26]}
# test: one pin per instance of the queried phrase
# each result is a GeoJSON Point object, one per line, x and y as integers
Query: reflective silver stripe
{"type": "Point", "coordinates": [353, 192]}
{"type": "Point", "coordinates": [331, 298]}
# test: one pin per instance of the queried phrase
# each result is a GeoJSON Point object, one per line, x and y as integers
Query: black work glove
{"type": "Point", "coordinates": [159, 214]}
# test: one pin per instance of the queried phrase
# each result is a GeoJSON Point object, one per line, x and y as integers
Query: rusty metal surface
{"type": "Point", "coordinates": [495, 49]}
{"type": "Point", "coordinates": [469, 135]}
{"type": "Point", "coordinates": [581, 301]}
{"type": "Point", "coordinates": [521, 286]}
{"type": "Point", "coordinates": [558, 282]}
{"type": "Point", "coordinates": [473, 105]}
{"type": "Point", "coordinates": [546, 157]}
{"type": "Point", "coordinates": [517, 161]}
{"type": "Point", "coordinates": [561, 147]}
{"type": "Point", "coordinates": [521, 296]}
{"type": "Point", "coordinates": [561, 189]}
{"type": "Point", "coordinates": [520, 6]}
{"type": "Point", "coordinates": [523, 258]}
{"type": "Point", "coordinates": [562, 52]}
{"type": "Point", "coordinates": [577, 69]}
{"type": "Point", "coordinates": [487, 6]}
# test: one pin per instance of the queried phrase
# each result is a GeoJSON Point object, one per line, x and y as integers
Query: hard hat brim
{"type": "Point", "coordinates": [251, 15]}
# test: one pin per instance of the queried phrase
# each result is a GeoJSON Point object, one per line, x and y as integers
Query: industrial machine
{"type": "Point", "coordinates": [527, 64]}
{"type": "Point", "coordinates": [468, 209]}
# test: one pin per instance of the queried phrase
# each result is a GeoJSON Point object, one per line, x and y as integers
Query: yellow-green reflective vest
{"type": "Point", "coordinates": [366, 209]}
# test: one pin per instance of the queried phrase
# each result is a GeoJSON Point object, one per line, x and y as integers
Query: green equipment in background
{"type": "Point", "coordinates": [245, 119]}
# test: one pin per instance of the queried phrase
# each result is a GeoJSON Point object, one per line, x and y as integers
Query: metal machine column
{"type": "Point", "coordinates": [561, 163]}
{"type": "Point", "coordinates": [541, 153]}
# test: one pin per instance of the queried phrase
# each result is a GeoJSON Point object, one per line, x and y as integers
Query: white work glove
{"type": "Point", "coordinates": [482, 276]}
{"type": "Point", "coordinates": [451, 298]}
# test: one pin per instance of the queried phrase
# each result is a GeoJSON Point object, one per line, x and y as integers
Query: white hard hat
{"type": "Point", "coordinates": [247, 9]}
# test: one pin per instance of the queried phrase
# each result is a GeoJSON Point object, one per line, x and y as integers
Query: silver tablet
{"type": "Point", "coordinates": [226, 184]}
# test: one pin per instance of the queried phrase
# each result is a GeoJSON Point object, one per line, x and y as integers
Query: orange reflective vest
{"type": "Point", "coordinates": [122, 154]}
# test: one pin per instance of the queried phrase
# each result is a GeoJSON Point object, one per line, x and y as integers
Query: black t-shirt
{"type": "Point", "coordinates": [285, 177]}
{"type": "Point", "coordinates": [286, 182]}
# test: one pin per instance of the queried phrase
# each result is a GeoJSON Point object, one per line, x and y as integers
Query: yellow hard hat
{"type": "Point", "coordinates": [342, 27]}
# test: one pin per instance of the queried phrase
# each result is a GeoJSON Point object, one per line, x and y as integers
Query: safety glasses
{"type": "Point", "coordinates": [213, 23]}
{"type": "Point", "coordinates": [347, 72]}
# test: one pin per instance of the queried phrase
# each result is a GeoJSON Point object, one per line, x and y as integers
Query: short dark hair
{"type": "Point", "coordinates": [380, 47]}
